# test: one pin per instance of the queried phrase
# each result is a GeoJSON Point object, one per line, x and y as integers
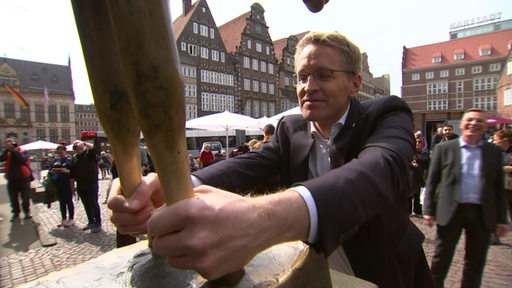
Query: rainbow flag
{"type": "Point", "coordinates": [23, 102]}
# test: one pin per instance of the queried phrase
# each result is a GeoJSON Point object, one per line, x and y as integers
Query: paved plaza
{"type": "Point", "coordinates": [28, 253]}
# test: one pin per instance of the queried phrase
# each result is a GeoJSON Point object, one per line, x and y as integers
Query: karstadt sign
{"type": "Point", "coordinates": [475, 21]}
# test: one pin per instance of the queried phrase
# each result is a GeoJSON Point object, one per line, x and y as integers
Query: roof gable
{"type": "Point", "coordinates": [231, 32]}
{"type": "Point", "coordinates": [36, 75]}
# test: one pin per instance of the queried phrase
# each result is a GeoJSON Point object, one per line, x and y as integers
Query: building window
{"type": "Point", "coordinates": [39, 113]}
{"type": "Point", "coordinates": [258, 47]}
{"type": "Point", "coordinates": [188, 71]}
{"type": "Point", "coordinates": [436, 59]}
{"type": "Point", "coordinates": [458, 56]}
{"type": "Point", "coordinates": [267, 49]}
{"type": "Point", "coordinates": [459, 104]}
{"type": "Point", "coordinates": [485, 52]}
{"type": "Point", "coordinates": [247, 62]}
{"type": "Point", "coordinates": [41, 134]}
{"type": "Point", "coordinates": [249, 44]}
{"type": "Point", "coordinates": [204, 30]}
{"type": "Point", "coordinates": [255, 86]}
{"type": "Point", "coordinates": [66, 135]}
{"type": "Point", "coordinates": [192, 49]}
{"type": "Point", "coordinates": [487, 103]}
{"type": "Point", "coordinates": [247, 84]}
{"type": "Point", "coordinates": [195, 27]}
{"type": "Point", "coordinates": [204, 75]}
{"type": "Point", "coordinates": [270, 68]}
{"type": "Point", "coordinates": [222, 102]}
{"type": "Point", "coordinates": [460, 71]}
{"type": "Point", "coordinates": [476, 69]}
{"type": "Point", "coordinates": [183, 46]}
{"type": "Point", "coordinates": [205, 101]}
{"type": "Point", "coordinates": [429, 75]}
{"type": "Point", "coordinates": [191, 111]}
{"type": "Point", "coordinates": [54, 135]}
{"type": "Point", "coordinates": [286, 81]}
{"type": "Point", "coordinates": [204, 52]}
{"type": "Point", "coordinates": [255, 64]}
{"type": "Point", "coordinates": [190, 90]}
{"type": "Point", "coordinates": [485, 83]}
{"type": "Point", "coordinates": [212, 33]}
{"type": "Point", "coordinates": [508, 97]}
{"type": "Point", "coordinates": [460, 86]}
{"type": "Point", "coordinates": [263, 87]}
{"type": "Point", "coordinates": [64, 113]}
{"type": "Point", "coordinates": [25, 115]}
{"type": "Point", "coordinates": [215, 55]}
{"type": "Point", "coordinates": [215, 102]}
{"type": "Point", "coordinates": [263, 66]}
{"type": "Point", "coordinates": [437, 88]}
{"type": "Point", "coordinates": [9, 110]}
{"type": "Point", "coordinates": [495, 67]}
{"type": "Point", "coordinates": [52, 113]}
{"type": "Point", "coordinates": [264, 109]}
{"type": "Point", "coordinates": [271, 108]}
{"type": "Point", "coordinates": [415, 76]}
{"type": "Point", "coordinates": [444, 73]}
{"type": "Point", "coordinates": [222, 57]}
{"type": "Point", "coordinates": [256, 108]}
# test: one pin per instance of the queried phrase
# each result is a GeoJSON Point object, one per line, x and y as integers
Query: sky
{"type": "Point", "coordinates": [45, 31]}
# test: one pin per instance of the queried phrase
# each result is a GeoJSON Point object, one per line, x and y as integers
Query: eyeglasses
{"type": "Point", "coordinates": [322, 75]}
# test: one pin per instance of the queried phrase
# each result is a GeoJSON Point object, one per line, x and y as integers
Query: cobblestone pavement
{"type": "Point", "coordinates": [74, 246]}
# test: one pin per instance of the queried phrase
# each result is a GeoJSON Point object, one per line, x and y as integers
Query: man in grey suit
{"type": "Point", "coordinates": [466, 181]}
{"type": "Point", "coordinates": [343, 166]}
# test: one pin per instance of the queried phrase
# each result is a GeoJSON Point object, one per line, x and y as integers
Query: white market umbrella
{"type": "Point", "coordinates": [39, 145]}
{"type": "Point", "coordinates": [274, 119]}
{"type": "Point", "coordinates": [223, 121]}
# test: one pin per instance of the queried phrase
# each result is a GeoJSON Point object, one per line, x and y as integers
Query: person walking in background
{"type": "Point", "coordinates": [503, 139]}
{"type": "Point", "coordinates": [206, 157]}
{"type": "Point", "coordinates": [59, 176]}
{"type": "Point", "coordinates": [448, 133]}
{"type": "Point", "coordinates": [192, 163]}
{"type": "Point", "coordinates": [104, 165]}
{"type": "Point", "coordinates": [466, 178]}
{"type": "Point", "coordinates": [84, 169]}
{"type": "Point", "coordinates": [343, 165]}
{"type": "Point", "coordinates": [18, 175]}
{"type": "Point", "coordinates": [254, 144]}
{"type": "Point", "coordinates": [417, 171]}
{"type": "Point", "coordinates": [436, 138]}
{"type": "Point", "coordinates": [268, 131]}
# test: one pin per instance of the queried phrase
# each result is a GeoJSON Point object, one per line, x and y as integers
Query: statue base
{"type": "Point", "coordinates": [135, 266]}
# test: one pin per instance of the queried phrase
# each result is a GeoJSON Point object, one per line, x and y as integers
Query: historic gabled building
{"type": "Point", "coordinates": [86, 119]}
{"type": "Point", "coordinates": [207, 69]}
{"type": "Point", "coordinates": [441, 80]}
{"type": "Point", "coordinates": [504, 89]}
{"type": "Point", "coordinates": [249, 43]}
{"type": "Point", "coordinates": [49, 115]}
{"type": "Point", "coordinates": [285, 51]}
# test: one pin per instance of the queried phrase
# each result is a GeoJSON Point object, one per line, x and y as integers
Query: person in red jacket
{"type": "Point", "coordinates": [17, 173]}
{"type": "Point", "coordinates": [206, 157]}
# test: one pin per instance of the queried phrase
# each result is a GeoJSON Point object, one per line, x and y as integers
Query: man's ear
{"type": "Point", "coordinates": [357, 82]}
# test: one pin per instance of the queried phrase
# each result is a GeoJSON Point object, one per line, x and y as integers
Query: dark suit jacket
{"type": "Point", "coordinates": [445, 176]}
{"type": "Point", "coordinates": [362, 204]}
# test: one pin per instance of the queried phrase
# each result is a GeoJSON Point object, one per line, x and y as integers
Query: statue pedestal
{"type": "Point", "coordinates": [134, 266]}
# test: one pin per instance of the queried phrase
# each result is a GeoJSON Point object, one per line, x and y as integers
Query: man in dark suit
{"type": "Point", "coordinates": [344, 164]}
{"type": "Point", "coordinates": [467, 174]}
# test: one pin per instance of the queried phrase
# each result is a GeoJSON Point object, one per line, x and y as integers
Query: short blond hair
{"type": "Point", "coordinates": [350, 53]}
